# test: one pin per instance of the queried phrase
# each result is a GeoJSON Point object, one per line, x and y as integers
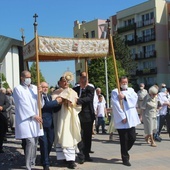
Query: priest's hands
{"type": "Point", "coordinates": [59, 100]}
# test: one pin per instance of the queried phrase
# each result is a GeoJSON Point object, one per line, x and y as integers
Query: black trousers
{"type": "Point", "coordinates": [86, 128]}
{"type": "Point", "coordinates": [164, 120]}
{"type": "Point", "coordinates": [127, 139]}
{"type": "Point", "coordinates": [3, 129]}
{"type": "Point", "coordinates": [46, 142]}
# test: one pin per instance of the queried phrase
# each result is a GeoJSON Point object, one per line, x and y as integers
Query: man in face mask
{"type": "Point", "coordinates": [27, 117]}
{"type": "Point", "coordinates": [141, 95]}
{"type": "Point", "coordinates": [162, 114]}
{"type": "Point", "coordinates": [125, 117]}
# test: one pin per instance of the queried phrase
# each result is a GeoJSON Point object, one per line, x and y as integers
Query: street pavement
{"type": "Point", "coordinates": [106, 154]}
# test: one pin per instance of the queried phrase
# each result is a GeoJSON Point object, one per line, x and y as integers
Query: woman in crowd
{"type": "Point", "coordinates": [150, 107]}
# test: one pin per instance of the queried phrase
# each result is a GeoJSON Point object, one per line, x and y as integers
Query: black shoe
{"type": "Point", "coordinates": [1, 151]}
{"type": "Point", "coordinates": [89, 159]}
{"type": "Point", "coordinates": [158, 139]}
{"type": "Point", "coordinates": [71, 164]}
{"type": "Point", "coordinates": [91, 152]}
{"type": "Point", "coordinates": [46, 167]}
{"type": "Point", "coordinates": [81, 161]}
{"type": "Point", "coordinates": [5, 139]}
{"type": "Point", "coordinates": [126, 163]}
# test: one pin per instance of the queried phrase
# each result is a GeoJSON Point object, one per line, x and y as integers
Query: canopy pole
{"type": "Point", "coordinates": [114, 61]}
{"type": "Point", "coordinates": [37, 66]}
{"type": "Point", "coordinates": [86, 67]}
{"type": "Point", "coordinates": [113, 55]}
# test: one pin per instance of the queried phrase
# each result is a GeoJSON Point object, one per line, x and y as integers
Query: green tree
{"type": "Point", "coordinates": [3, 82]}
{"type": "Point", "coordinates": [97, 73]}
{"type": "Point", "coordinates": [123, 54]}
{"type": "Point", "coordinates": [124, 64]}
{"type": "Point", "coordinates": [33, 71]}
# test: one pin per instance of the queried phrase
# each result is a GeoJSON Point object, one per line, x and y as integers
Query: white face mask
{"type": "Point", "coordinates": [27, 81]}
{"type": "Point", "coordinates": [124, 86]}
{"type": "Point", "coordinates": [163, 89]}
{"type": "Point", "coordinates": [141, 88]}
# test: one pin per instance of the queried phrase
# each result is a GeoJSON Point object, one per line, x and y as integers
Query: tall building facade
{"type": "Point", "coordinates": [92, 29]}
{"type": "Point", "coordinates": [145, 29]}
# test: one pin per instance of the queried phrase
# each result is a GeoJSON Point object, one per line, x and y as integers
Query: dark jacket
{"type": "Point", "coordinates": [4, 102]}
{"type": "Point", "coordinates": [47, 112]}
{"type": "Point", "coordinates": [86, 100]}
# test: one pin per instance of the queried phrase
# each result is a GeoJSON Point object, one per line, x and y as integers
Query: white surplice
{"type": "Point", "coordinates": [26, 106]}
{"type": "Point", "coordinates": [127, 111]}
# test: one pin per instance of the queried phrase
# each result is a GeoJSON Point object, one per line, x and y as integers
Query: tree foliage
{"type": "Point", "coordinates": [3, 83]}
{"type": "Point", "coordinates": [123, 54]}
{"type": "Point", "coordinates": [33, 71]}
{"type": "Point", "coordinates": [124, 62]}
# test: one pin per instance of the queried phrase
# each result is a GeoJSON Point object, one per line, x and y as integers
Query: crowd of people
{"type": "Point", "coordinates": [66, 118]}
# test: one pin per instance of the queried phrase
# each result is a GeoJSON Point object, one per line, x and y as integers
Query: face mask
{"type": "Point", "coordinates": [124, 86]}
{"type": "Point", "coordinates": [163, 90]}
{"type": "Point", "coordinates": [141, 88]}
{"type": "Point", "coordinates": [27, 81]}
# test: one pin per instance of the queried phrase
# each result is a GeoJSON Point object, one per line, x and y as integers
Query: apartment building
{"type": "Point", "coordinates": [145, 29]}
{"type": "Point", "coordinates": [93, 29]}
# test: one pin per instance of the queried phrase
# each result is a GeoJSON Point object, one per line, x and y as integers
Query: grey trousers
{"type": "Point", "coordinates": [30, 153]}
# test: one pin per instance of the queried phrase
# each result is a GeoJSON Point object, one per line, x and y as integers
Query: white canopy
{"type": "Point", "coordinates": [51, 48]}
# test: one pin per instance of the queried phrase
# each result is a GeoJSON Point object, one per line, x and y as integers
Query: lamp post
{"type": "Point", "coordinates": [1, 73]}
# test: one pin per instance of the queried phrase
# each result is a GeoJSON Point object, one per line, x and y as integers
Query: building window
{"type": "Point", "coordinates": [87, 35]}
{"type": "Point", "coordinates": [92, 34]}
{"type": "Point", "coordinates": [129, 37]}
{"type": "Point", "coordinates": [129, 22]}
{"type": "Point", "coordinates": [148, 18]}
{"type": "Point", "coordinates": [152, 15]}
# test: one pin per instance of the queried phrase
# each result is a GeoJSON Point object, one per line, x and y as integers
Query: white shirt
{"type": "Point", "coordinates": [26, 106]}
{"type": "Point", "coordinates": [128, 111]}
{"type": "Point", "coordinates": [101, 109]}
{"type": "Point", "coordinates": [162, 98]}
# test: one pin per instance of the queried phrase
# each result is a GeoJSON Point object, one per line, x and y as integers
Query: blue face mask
{"type": "Point", "coordinates": [163, 89]}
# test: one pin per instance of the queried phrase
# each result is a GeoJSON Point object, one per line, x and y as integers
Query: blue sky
{"type": "Point", "coordinates": [55, 18]}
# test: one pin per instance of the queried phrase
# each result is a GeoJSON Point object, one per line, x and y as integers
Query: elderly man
{"type": "Point", "coordinates": [46, 141]}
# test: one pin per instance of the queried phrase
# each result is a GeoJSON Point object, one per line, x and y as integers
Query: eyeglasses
{"type": "Point", "coordinates": [44, 86]}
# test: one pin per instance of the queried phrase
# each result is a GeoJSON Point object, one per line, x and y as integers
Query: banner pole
{"type": "Point", "coordinates": [37, 66]}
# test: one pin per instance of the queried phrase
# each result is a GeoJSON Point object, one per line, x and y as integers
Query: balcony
{"type": "Point", "coordinates": [146, 55]}
{"type": "Point", "coordinates": [146, 38]}
{"type": "Point", "coordinates": [146, 71]}
{"type": "Point", "coordinates": [145, 23]}
{"type": "Point", "coordinates": [130, 42]}
{"type": "Point", "coordinates": [126, 28]}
